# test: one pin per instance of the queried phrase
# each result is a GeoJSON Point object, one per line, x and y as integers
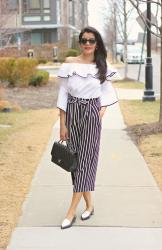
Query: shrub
{"type": "Point", "coordinates": [61, 59]}
{"type": "Point", "coordinates": [17, 72]}
{"type": "Point", "coordinates": [40, 78]}
{"type": "Point", "coordinates": [24, 69]}
{"type": "Point", "coordinates": [6, 70]}
{"type": "Point", "coordinates": [6, 105]}
{"type": "Point", "coordinates": [1, 93]}
{"type": "Point", "coordinates": [42, 60]}
{"type": "Point", "coordinates": [72, 52]}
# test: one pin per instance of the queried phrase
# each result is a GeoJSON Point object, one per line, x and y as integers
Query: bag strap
{"type": "Point", "coordinates": [67, 143]}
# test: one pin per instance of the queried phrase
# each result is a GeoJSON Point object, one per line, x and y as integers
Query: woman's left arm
{"type": "Point", "coordinates": [102, 111]}
{"type": "Point", "coordinates": [108, 96]}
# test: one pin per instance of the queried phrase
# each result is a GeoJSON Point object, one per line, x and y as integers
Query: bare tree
{"type": "Point", "coordinates": [157, 31]}
{"type": "Point", "coordinates": [9, 23]}
{"type": "Point", "coordinates": [4, 30]}
{"type": "Point", "coordinates": [117, 24]}
{"type": "Point", "coordinates": [110, 31]}
{"type": "Point", "coordinates": [125, 40]}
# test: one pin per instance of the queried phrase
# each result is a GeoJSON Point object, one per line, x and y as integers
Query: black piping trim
{"type": "Point", "coordinates": [94, 76]}
{"type": "Point", "coordinates": [109, 104]}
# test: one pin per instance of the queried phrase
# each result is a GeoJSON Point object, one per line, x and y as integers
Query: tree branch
{"type": "Point", "coordinates": [144, 19]}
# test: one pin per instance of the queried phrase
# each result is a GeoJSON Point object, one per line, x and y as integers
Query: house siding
{"type": "Point", "coordinates": [37, 25]}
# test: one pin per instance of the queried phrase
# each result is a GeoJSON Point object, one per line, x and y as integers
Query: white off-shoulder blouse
{"type": "Point", "coordinates": [81, 80]}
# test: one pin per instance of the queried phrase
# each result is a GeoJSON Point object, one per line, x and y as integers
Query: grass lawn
{"type": "Point", "coordinates": [138, 116]}
{"type": "Point", "coordinates": [130, 84]}
{"type": "Point", "coordinates": [139, 112]}
{"type": "Point", "coordinates": [151, 148]}
{"type": "Point", "coordinates": [21, 147]}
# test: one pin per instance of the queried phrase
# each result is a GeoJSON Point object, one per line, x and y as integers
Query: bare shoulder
{"type": "Point", "coordinates": [71, 59]}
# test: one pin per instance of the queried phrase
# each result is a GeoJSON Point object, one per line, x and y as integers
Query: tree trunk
{"type": "Point", "coordinates": [125, 39]}
{"type": "Point", "coordinates": [160, 116]}
{"type": "Point", "coordinates": [114, 34]}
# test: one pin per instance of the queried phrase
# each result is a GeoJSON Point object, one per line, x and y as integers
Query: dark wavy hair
{"type": "Point", "coordinates": [100, 53]}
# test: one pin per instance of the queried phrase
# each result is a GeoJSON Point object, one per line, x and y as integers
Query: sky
{"type": "Point", "coordinates": [97, 8]}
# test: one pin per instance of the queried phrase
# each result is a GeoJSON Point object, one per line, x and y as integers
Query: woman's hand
{"type": "Point", "coordinates": [101, 112]}
{"type": "Point", "coordinates": [63, 133]}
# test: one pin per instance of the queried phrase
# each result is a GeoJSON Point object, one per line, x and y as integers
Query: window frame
{"type": "Point", "coordinates": [34, 8]}
{"type": "Point", "coordinates": [43, 4]}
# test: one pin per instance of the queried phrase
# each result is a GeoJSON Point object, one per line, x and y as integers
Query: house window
{"type": "Point", "coordinates": [46, 11]}
{"type": "Point", "coordinates": [30, 6]}
{"type": "Point", "coordinates": [36, 38]}
{"type": "Point", "coordinates": [34, 4]}
{"type": "Point", "coordinates": [32, 18]}
{"type": "Point", "coordinates": [46, 4]}
{"type": "Point", "coordinates": [47, 37]}
{"type": "Point", "coordinates": [46, 18]}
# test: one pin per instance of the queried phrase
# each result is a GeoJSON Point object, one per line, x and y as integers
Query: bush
{"type": "Point", "coordinates": [17, 72]}
{"type": "Point", "coordinates": [24, 69]}
{"type": "Point", "coordinates": [61, 59]}
{"type": "Point", "coordinates": [6, 105]}
{"type": "Point", "coordinates": [42, 60]}
{"type": "Point", "coordinates": [22, 72]}
{"type": "Point", "coordinates": [1, 93]}
{"type": "Point", "coordinates": [72, 52]}
{"type": "Point", "coordinates": [40, 78]}
{"type": "Point", "coordinates": [6, 70]}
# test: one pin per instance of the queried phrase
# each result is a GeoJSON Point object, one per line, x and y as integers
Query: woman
{"type": "Point", "coordinates": [84, 94]}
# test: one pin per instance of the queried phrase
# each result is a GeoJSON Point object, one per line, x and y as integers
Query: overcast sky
{"type": "Point", "coordinates": [96, 18]}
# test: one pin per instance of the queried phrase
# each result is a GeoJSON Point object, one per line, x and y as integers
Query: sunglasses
{"type": "Point", "coordinates": [91, 41]}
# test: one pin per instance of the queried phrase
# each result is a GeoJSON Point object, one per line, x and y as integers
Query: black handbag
{"type": "Point", "coordinates": [64, 156]}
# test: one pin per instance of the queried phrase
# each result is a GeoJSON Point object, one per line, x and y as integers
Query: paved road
{"type": "Point", "coordinates": [127, 200]}
{"type": "Point", "coordinates": [133, 72]}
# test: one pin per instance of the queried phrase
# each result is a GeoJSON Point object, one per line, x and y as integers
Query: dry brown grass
{"type": "Point", "coordinates": [138, 112]}
{"type": "Point", "coordinates": [151, 148]}
{"type": "Point", "coordinates": [21, 148]}
{"type": "Point", "coordinates": [129, 84]}
{"type": "Point", "coordinates": [141, 119]}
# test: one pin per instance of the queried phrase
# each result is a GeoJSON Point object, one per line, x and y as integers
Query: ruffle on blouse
{"type": "Point", "coordinates": [83, 70]}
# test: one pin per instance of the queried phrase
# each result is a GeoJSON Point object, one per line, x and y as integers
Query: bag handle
{"type": "Point", "coordinates": [61, 141]}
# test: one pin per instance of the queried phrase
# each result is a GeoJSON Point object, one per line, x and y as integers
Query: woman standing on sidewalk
{"type": "Point", "coordinates": [84, 94]}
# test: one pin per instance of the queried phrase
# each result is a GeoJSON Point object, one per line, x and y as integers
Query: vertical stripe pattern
{"type": "Point", "coordinates": [84, 127]}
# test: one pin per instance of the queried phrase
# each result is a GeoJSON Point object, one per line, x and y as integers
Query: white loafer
{"type": "Point", "coordinates": [87, 214]}
{"type": "Point", "coordinates": [67, 223]}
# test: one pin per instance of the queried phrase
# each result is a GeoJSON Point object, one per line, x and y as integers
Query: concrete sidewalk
{"type": "Point", "coordinates": [128, 203]}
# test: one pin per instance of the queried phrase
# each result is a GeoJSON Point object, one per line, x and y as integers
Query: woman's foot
{"type": "Point", "coordinates": [87, 213]}
{"type": "Point", "coordinates": [68, 222]}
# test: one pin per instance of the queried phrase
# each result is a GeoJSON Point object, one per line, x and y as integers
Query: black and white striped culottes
{"type": "Point", "coordinates": [84, 129]}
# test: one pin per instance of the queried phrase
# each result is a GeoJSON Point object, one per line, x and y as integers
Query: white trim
{"type": "Point", "coordinates": [32, 18]}
{"type": "Point", "coordinates": [46, 18]}
{"type": "Point", "coordinates": [41, 26]}
{"type": "Point", "coordinates": [48, 26]}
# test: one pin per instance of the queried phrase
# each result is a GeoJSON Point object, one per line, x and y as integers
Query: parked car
{"type": "Point", "coordinates": [119, 49]}
{"type": "Point", "coordinates": [133, 55]}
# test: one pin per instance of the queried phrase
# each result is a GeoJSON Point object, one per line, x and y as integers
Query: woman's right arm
{"type": "Point", "coordinates": [62, 105]}
{"type": "Point", "coordinates": [63, 129]}
{"type": "Point", "coordinates": [63, 98]}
